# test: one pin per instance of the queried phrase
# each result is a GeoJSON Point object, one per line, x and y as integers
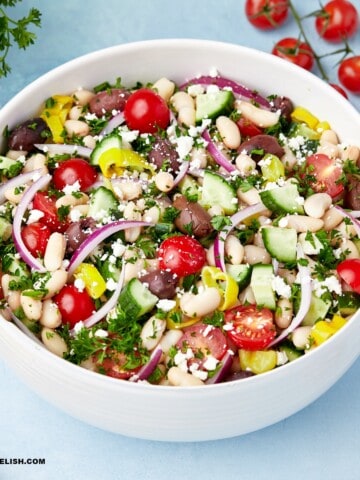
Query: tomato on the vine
{"type": "Point", "coordinates": [74, 170]}
{"type": "Point", "coordinates": [339, 89]}
{"type": "Point", "coordinates": [349, 73]}
{"type": "Point", "coordinates": [181, 255]}
{"type": "Point", "coordinates": [295, 51]}
{"type": "Point", "coordinates": [266, 14]}
{"type": "Point", "coordinates": [36, 236]}
{"type": "Point", "coordinates": [337, 20]}
{"type": "Point", "coordinates": [74, 305]}
{"type": "Point", "coordinates": [253, 327]}
{"type": "Point", "coordinates": [146, 111]}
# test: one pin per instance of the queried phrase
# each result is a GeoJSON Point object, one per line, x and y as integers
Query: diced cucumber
{"type": "Point", "coordinates": [317, 311]}
{"type": "Point", "coordinates": [282, 199]}
{"type": "Point", "coordinates": [280, 243]}
{"type": "Point", "coordinates": [5, 229]}
{"type": "Point", "coordinates": [291, 352]}
{"type": "Point", "coordinates": [348, 303]}
{"type": "Point", "coordinates": [261, 285]}
{"type": "Point", "coordinates": [136, 299]}
{"type": "Point", "coordinates": [310, 243]}
{"type": "Point", "coordinates": [9, 167]}
{"type": "Point", "coordinates": [217, 191]}
{"type": "Point", "coordinates": [102, 202]}
{"type": "Point", "coordinates": [240, 273]}
{"type": "Point", "coordinates": [213, 104]}
{"type": "Point", "coordinates": [189, 187]}
{"type": "Point", "coordinates": [13, 265]}
{"type": "Point", "coordinates": [110, 141]}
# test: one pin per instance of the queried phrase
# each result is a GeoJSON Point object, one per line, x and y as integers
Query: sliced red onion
{"type": "Point", "coordinates": [64, 149]}
{"type": "Point", "coordinates": [182, 172]}
{"type": "Point", "coordinates": [147, 369]}
{"type": "Point", "coordinates": [96, 237]}
{"type": "Point", "coordinates": [114, 122]}
{"type": "Point", "coordinates": [24, 328]}
{"type": "Point", "coordinates": [305, 285]}
{"type": "Point", "coordinates": [224, 369]}
{"type": "Point", "coordinates": [28, 196]}
{"type": "Point", "coordinates": [355, 213]}
{"type": "Point", "coordinates": [217, 155]}
{"type": "Point", "coordinates": [351, 217]}
{"type": "Point", "coordinates": [16, 182]}
{"type": "Point", "coordinates": [219, 242]}
{"type": "Point", "coordinates": [222, 82]}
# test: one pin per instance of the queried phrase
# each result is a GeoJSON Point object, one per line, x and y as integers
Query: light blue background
{"type": "Point", "coordinates": [320, 442]}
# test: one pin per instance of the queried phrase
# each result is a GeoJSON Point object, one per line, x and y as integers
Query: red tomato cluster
{"type": "Point", "coordinates": [335, 22]}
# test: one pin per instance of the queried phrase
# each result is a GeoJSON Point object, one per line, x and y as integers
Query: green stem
{"type": "Point", "coordinates": [303, 34]}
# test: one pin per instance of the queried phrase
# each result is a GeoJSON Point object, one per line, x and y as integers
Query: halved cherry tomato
{"type": "Point", "coordinates": [294, 51]}
{"type": "Point", "coordinates": [327, 174]}
{"type": "Point", "coordinates": [248, 128]}
{"type": "Point", "coordinates": [349, 74]}
{"type": "Point", "coordinates": [146, 111]}
{"type": "Point", "coordinates": [266, 14]}
{"type": "Point", "coordinates": [203, 340]}
{"type": "Point", "coordinates": [181, 255]}
{"type": "Point", "coordinates": [47, 204]}
{"type": "Point", "coordinates": [349, 271]}
{"type": "Point", "coordinates": [253, 327]}
{"type": "Point", "coordinates": [72, 171]}
{"type": "Point", "coordinates": [337, 20]}
{"type": "Point", "coordinates": [117, 365]}
{"type": "Point", "coordinates": [36, 236]}
{"type": "Point", "coordinates": [74, 304]}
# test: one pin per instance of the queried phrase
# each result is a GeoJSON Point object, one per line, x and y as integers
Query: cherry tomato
{"type": "Point", "coordinates": [337, 20]}
{"type": "Point", "coordinates": [47, 204]}
{"type": "Point", "coordinates": [349, 74]}
{"type": "Point", "coordinates": [248, 128]}
{"type": "Point", "coordinates": [117, 365]}
{"type": "Point", "coordinates": [349, 271]}
{"type": "Point", "coordinates": [326, 174]}
{"type": "Point", "coordinates": [74, 170]}
{"type": "Point", "coordinates": [266, 14]}
{"type": "Point", "coordinates": [146, 111]}
{"type": "Point", "coordinates": [181, 255]}
{"type": "Point", "coordinates": [74, 305]}
{"type": "Point", "coordinates": [253, 327]}
{"type": "Point", "coordinates": [203, 340]}
{"type": "Point", "coordinates": [339, 89]}
{"type": "Point", "coordinates": [36, 236]}
{"type": "Point", "coordinates": [295, 51]}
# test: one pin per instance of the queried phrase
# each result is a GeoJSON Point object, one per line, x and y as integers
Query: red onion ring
{"type": "Point", "coordinates": [114, 122]}
{"type": "Point", "coordinates": [351, 217]}
{"type": "Point", "coordinates": [25, 254]}
{"type": "Point", "coordinates": [16, 182]}
{"type": "Point", "coordinates": [222, 82]}
{"type": "Point", "coordinates": [219, 158]}
{"type": "Point", "coordinates": [147, 369]}
{"type": "Point", "coordinates": [64, 149]}
{"type": "Point", "coordinates": [181, 174]}
{"type": "Point", "coordinates": [224, 369]}
{"type": "Point", "coordinates": [305, 285]}
{"type": "Point", "coordinates": [96, 237]}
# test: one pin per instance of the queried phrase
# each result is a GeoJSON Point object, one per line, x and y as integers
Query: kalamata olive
{"type": "Point", "coordinates": [285, 105]}
{"type": "Point", "coordinates": [27, 134]}
{"type": "Point", "coordinates": [108, 100]}
{"type": "Point", "coordinates": [77, 232]}
{"type": "Point", "coordinates": [161, 283]}
{"type": "Point", "coordinates": [352, 193]}
{"type": "Point", "coordinates": [261, 143]}
{"type": "Point", "coordinates": [163, 151]}
{"type": "Point", "coordinates": [193, 218]}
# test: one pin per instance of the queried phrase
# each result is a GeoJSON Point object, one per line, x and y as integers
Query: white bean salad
{"type": "Point", "coordinates": [179, 235]}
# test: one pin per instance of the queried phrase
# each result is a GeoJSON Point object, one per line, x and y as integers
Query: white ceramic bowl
{"type": "Point", "coordinates": [193, 413]}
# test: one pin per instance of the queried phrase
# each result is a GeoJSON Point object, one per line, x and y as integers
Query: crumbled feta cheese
{"type": "Point", "coordinates": [213, 72]}
{"type": "Point", "coordinates": [166, 305]}
{"type": "Point", "coordinates": [201, 374]}
{"type": "Point", "coordinates": [69, 189]}
{"type": "Point", "coordinates": [79, 284]}
{"type": "Point", "coordinates": [34, 216]}
{"type": "Point", "coordinates": [330, 283]}
{"type": "Point", "coordinates": [183, 146]}
{"type": "Point", "coordinates": [111, 285]}
{"type": "Point", "coordinates": [75, 215]}
{"type": "Point", "coordinates": [78, 327]}
{"type": "Point", "coordinates": [280, 287]}
{"type": "Point", "coordinates": [212, 89]}
{"type": "Point", "coordinates": [281, 358]}
{"type": "Point", "coordinates": [195, 90]}
{"type": "Point", "coordinates": [210, 363]}
{"type": "Point", "coordinates": [100, 333]}
{"type": "Point", "coordinates": [118, 248]}
{"type": "Point", "coordinates": [283, 222]}
{"type": "Point", "coordinates": [129, 135]}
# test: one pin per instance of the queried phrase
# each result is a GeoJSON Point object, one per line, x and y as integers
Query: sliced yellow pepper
{"type": "Point", "coordinates": [258, 361]}
{"type": "Point", "coordinates": [225, 283]}
{"type": "Point", "coordinates": [322, 126]}
{"type": "Point", "coordinates": [272, 167]}
{"type": "Point", "coordinates": [302, 115]}
{"type": "Point", "coordinates": [114, 161]}
{"type": "Point", "coordinates": [324, 329]}
{"type": "Point", "coordinates": [56, 114]}
{"type": "Point", "coordinates": [95, 285]}
{"type": "Point", "coordinates": [172, 325]}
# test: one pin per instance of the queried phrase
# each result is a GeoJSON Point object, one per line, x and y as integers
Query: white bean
{"type": "Point", "coordinates": [36, 161]}
{"type": "Point", "coordinates": [53, 341]}
{"type": "Point", "coordinates": [71, 200]}
{"type": "Point", "coordinates": [261, 118]}
{"type": "Point", "coordinates": [229, 132]}
{"type": "Point", "coordinates": [75, 112]}
{"type": "Point", "coordinates": [198, 157]}
{"type": "Point", "coordinates": [350, 249]}
{"type": "Point", "coordinates": [55, 283]}
{"type": "Point", "coordinates": [254, 254]}
{"type": "Point", "coordinates": [151, 215]}
{"type": "Point", "coordinates": [283, 313]}
{"type": "Point", "coordinates": [132, 270]}
{"type": "Point", "coordinates": [14, 195]}
{"type": "Point", "coordinates": [13, 299]}
{"type": "Point", "coordinates": [16, 154]}
{"type": "Point", "coordinates": [129, 190]}
{"type": "Point", "coordinates": [164, 181]}
{"type": "Point", "coordinates": [200, 304]}
{"type": "Point", "coordinates": [210, 256]}
{"type": "Point", "coordinates": [332, 218]}
{"type": "Point", "coordinates": [289, 159]}
{"type": "Point", "coordinates": [352, 153]}
{"type": "Point", "coordinates": [152, 331]}
{"type": "Point", "coordinates": [165, 88]}
{"type": "Point", "coordinates": [250, 197]}
{"type": "Point", "coordinates": [187, 116]}
{"type": "Point", "coordinates": [245, 164]}
{"type": "Point", "coordinates": [32, 307]}
{"type": "Point", "coordinates": [89, 141]}
{"type": "Point", "coordinates": [82, 96]}
{"type": "Point", "coordinates": [55, 251]}
{"type": "Point", "coordinates": [234, 250]}
{"type": "Point", "coordinates": [302, 223]}
{"type": "Point", "coordinates": [346, 230]}
{"type": "Point", "coordinates": [169, 339]}
{"type": "Point", "coordinates": [300, 337]}
{"type": "Point", "coordinates": [179, 378]}
{"type": "Point", "coordinates": [50, 315]}
{"type": "Point", "coordinates": [182, 99]}
{"type": "Point", "coordinates": [247, 296]}
{"type": "Point", "coordinates": [328, 149]}
{"type": "Point", "coordinates": [317, 204]}
{"type": "Point", "coordinates": [76, 127]}
{"type": "Point", "coordinates": [328, 136]}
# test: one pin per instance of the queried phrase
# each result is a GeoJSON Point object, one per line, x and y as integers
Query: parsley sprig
{"type": "Point", "coordinates": [15, 32]}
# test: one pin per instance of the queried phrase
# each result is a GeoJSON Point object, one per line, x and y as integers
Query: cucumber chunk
{"type": "Point", "coordinates": [240, 273]}
{"type": "Point", "coordinates": [9, 167]}
{"type": "Point", "coordinates": [110, 141]}
{"type": "Point", "coordinates": [348, 303]}
{"type": "Point", "coordinates": [213, 104]}
{"type": "Point", "coordinates": [280, 243]}
{"type": "Point", "coordinates": [317, 311]}
{"type": "Point", "coordinates": [217, 191]}
{"type": "Point", "coordinates": [260, 283]}
{"type": "Point", "coordinates": [282, 199]}
{"type": "Point", "coordinates": [102, 202]}
{"type": "Point", "coordinates": [5, 229]}
{"type": "Point", "coordinates": [136, 299]}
